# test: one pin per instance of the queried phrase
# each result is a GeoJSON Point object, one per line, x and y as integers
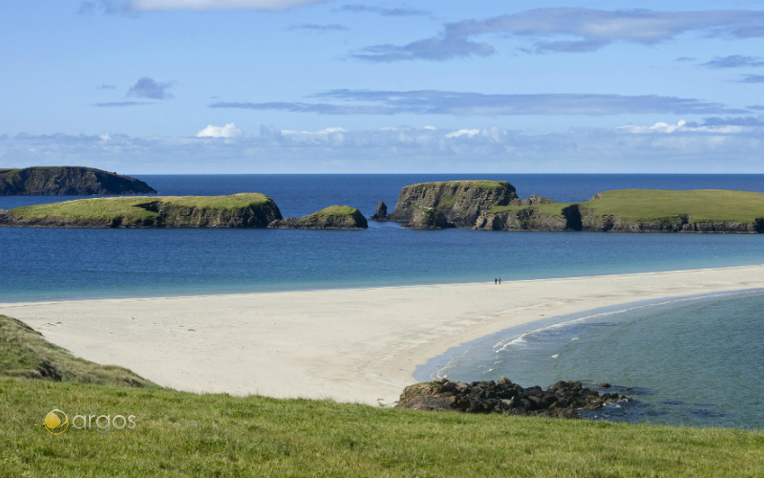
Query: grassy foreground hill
{"type": "Point", "coordinates": [186, 434]}
{"type": "Point", "coordinates": [236, 210]}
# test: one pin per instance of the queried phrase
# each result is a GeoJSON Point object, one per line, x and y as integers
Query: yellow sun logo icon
{"type": "Point", "coordinates": [56, 422]}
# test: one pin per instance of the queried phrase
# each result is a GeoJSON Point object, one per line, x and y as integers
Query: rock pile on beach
{"type": "Point", "coordinates": [561, 400]}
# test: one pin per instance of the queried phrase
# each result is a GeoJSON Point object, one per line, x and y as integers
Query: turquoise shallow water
{"type": "Point", "coordinates": [689, 361]}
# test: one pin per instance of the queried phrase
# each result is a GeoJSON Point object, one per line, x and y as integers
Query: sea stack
{"type": "Point", "coordinates": [381, 213]}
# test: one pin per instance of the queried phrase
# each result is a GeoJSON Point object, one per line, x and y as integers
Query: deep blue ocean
{"type": "Point", "coordinates": [645, 348]}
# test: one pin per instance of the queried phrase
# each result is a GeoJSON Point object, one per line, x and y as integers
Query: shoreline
{"type": "Point", "coordinates": [432, 370]}
{"type": "Point", "coordinates": [350, 345]}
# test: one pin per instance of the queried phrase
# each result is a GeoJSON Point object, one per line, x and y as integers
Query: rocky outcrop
{"type": "Point", "coordinates": [381, 212]}
{"type": "Point", "coordinates": [248, 210]}
{"type": "Point", "coordinates": [332, 217]}
{"type": "Point", "coordinates": [560, 400]}
{"type": "Point", "coordinates": [526, 219]}
{"type": "Point", "coordinates": [428, 218]}
{"type": "Point", "coordinates": [68, 181]}
{"type": "Point", "coordinates": [460, 202]}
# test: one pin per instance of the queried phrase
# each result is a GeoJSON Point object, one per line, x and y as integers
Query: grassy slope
{"type": "Point", "coordinates": [702, 204]}
{"type": "Point", "coordinates": [7, 174]}
{"type": "Point", "coordinates": [115, 207]}
{"type": "Point", "coordinates": [338, 211]}
{"type": "Point", "coordinates": [23, 352]}
{"type": "Point", "coordinates": [650, 204]}
{"type": "Point", "coordinates": [184, 434]}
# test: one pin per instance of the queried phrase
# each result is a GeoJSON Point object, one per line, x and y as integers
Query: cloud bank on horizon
{"type": "Point", "coordinates": [332, 86]}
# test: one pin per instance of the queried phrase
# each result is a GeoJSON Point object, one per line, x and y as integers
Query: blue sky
{"type": "Point", "coordinates": [304, 86]}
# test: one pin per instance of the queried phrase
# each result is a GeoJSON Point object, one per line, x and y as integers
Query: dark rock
{"type": "Point", "coordinates": [559, 400]}
{"type": "Point", "coordinates": [381, 213]}
{"type": "Point", "coordinates": [604, 385]}
{"type": "Point", "coordinates": [68, 181]}
{"type": "Point", "coordinates": [460, 202]}
{"type": "Point", "coordinates": [428, 218]}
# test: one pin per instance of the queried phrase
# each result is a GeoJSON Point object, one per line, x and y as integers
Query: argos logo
{"type": "Point", "coordinates": [56, 422]}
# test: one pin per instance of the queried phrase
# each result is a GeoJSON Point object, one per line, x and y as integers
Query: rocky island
{"type": "Point", "coordinates": [495, 206]}
{"type": "Point", "coordinates": [332, 217]}
{"type": "Point", "coordinates": [449, 204]}
{"type": "Point", "coordinates": [246, 210]}
{"type": "Point", "coordinates": [68, 181]}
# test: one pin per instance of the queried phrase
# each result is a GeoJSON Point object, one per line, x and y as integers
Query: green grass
{"type": "Point", "coordinates": [483, 184]}
{"type": "Point", "coordinates": [701, 204]}
{"type": "Point", "coordinates": [24, 353]}
{"type": "Point", "coordinates": [337, 211]}
{"type": "Point", "coordinates": [8, 173]}
{"type": "Point", "coordinates": [185, 434]}
{"type": "Point", "coordinates": [127, 207]}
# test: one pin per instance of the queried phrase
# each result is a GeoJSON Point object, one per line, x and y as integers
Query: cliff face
{"type": "Point", "coordinates": [65, 181]}
{"type": "Point", "coordinates": [427, 218]}
{"type": "Point", "coordinates": [579, 218]}
{"type": "Point", "coordinates": [460, 202]}
{"type": "Point", "coordinates": [151, 214]}
{"type": "Point", "coordinates": [529, 219]}
{"type": "Point", "coordinates": [332, 217]}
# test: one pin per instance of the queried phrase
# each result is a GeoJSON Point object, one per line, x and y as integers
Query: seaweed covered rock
{"type": "Point", "coordinates": [68, 181]}
{"type": "Point", "coordinates": [332, 217]}
{"type": "Point", "coordinates": [460, 202]}
{"type": "Point", "coordinates": [560, 400]}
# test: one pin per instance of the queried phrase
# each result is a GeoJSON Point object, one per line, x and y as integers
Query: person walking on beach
{"type": "Point", "coordinates": [499, 280]}
{"type": "Point", "coordinates": [495, 281]}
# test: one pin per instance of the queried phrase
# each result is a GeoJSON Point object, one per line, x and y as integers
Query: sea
{"type": "Point", "coordinates": [692, 361]}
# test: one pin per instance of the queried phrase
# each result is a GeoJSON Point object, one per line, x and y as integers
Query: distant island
{"type": "Point", "coordinates": [245, 210]}
{"type": "Point", "coordinates": [68, 181]}
{"type": "Point", "coordinates": [495, 206]}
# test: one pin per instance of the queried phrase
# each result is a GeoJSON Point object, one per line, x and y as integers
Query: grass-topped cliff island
{"type": "Point", "coordinates": [494, 205]}
{"type": "Point", "coordinates": [236, 210]}
{"type": "Point", "coordinates": [244, 210]}
{"type": "Point", "coordinates": [68, 181]}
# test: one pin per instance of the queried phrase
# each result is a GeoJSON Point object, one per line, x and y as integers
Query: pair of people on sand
{"type": "Point", "coordinates": [497, 281]}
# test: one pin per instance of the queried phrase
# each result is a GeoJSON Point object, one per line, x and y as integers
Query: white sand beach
{"type": "Point", "coordinates": [359, 345]}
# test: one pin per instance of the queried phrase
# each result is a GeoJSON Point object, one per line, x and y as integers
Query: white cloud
{"type": "Point", "coordinates": [463, 132]}
{"type": "Point", "coordinates": [228, 131]}
{"type": "Point", "coordinates": [403, 149]}
{"type": "Point", "coordinates": [268, 5]}
{"type": "Point", "coordinates": [324, 131]}
{"type": "Point", "coordinates": [680, 127]}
